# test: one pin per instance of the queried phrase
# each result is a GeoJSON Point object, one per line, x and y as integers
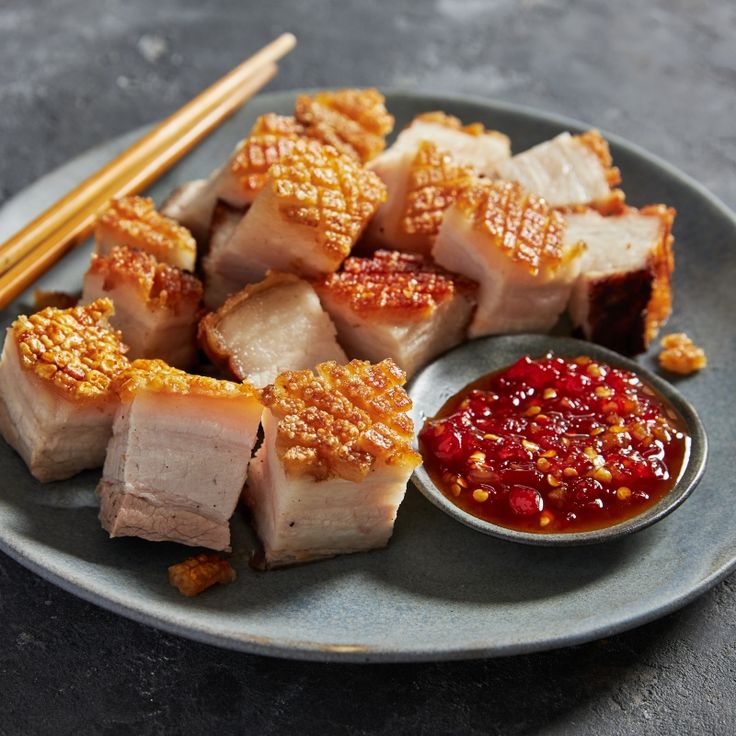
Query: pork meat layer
{"type": "Point", "coordinates": [270, 327]}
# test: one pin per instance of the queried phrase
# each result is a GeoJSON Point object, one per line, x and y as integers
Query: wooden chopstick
{"type": "Point", "coordinates": [31, 251]}
{"type": "Point", "coordinates": [161, 136]}
{"type": "Point", "coordinates": [36, 262]}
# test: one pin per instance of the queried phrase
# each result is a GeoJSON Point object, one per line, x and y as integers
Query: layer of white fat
{"type": "Point", "coordinates": [482, 152]}
{"type": "Point", "coordinates": [217, 287]}
{"type": "Point", "coordinates": [510, 298]}
{"type": "Point", "coordinates": [411, 343]}
{"type": "Point", "coordinates": [265, 239]}
{"type": "Point", "coordinates": [615, 245]}
{"type": "Point", "coordinates": [149, 332]}
{"type": "Point", "coordinates": [301, 519]}
{"type": "Point", "coordinates": [282, 328]}
{"type": "Point", "coordinates": [183, 451]}
{"type": "Point", "coordinates": [191, 204]}
{"type": "Point", "coordinates": [386, 226]}
{"type": "Point", "coordinates": [56, 436]}
{"type": "Point", "coordinates": [563, 170]}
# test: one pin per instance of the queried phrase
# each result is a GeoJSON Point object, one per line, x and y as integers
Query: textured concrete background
{"type": "Point", "coordinates": [75, 73]}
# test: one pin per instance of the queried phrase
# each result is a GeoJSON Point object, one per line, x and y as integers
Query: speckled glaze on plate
{"type": "Point", "coordinates": [450, 373]}
{"type": "Point", "coordinates": [440, 590]}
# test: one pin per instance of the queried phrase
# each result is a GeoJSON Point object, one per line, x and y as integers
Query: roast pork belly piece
{"type": "Point", "coordinates": [399, 306]}
{"type": "Point", "coordinates": [306, 219]}
{"type": "Point", "coordinates": [188, 205]}
{"type": "Point", "coordinates": [272, 138]}
{"type": "Point", "coordinates": [568, 171]}
{"type": "Point", "coordinates": [334, 463]}
{"type": "Point", "coordinates": [354, 121]}
{"type": "Point", "coordinates": [623, 294]}
{"type": "Point", "coordinates": [514, 245]}
{"type": "Point", "coordinates": [156, 305]}
{"type": "Point", "coordinates": [133, 222]}
{"type": "Point", "coordinates": [422, 183]}
{"type": "Point", "coordinates": [470, 145]}
{"type": "Point", "coordinates": [56, 406]}
{"type": "Point", "coordinates": [218, 287]}
{"type": "Point", "coordinates": [239, 179]}
{"type": "Point", "coordinates": [178, 457]}
{"type": "Point", "coordinates": [270, 327]}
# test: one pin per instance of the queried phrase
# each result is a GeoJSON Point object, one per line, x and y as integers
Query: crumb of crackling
{"type": "Point", "coordinates": [196, 574]}
{"type": "Point", "coordinates": [681, 355]}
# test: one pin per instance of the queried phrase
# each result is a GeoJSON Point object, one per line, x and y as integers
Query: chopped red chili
{"type": "Point", "coordinates": [555, 445]}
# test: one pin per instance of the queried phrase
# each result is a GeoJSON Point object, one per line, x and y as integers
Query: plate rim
{"type": "Point", "coordinates": [314, 651]}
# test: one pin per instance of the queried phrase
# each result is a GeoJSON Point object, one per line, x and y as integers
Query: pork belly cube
{"type": "Point", "coordinates": [354, 121]}
{"type": "Point", "coordinates": [56, 406]}
{"type": "Point", "coordinates": [178, 457]}
{"type": "Point", "coordinates": [189, 205]}
{"type": "Point", "coordinates": [218, 287]}
{"type": "Point", "coordinates": [246, 172]}
{"type": "Point", "coordinates": [133, 222]}
{"type": "Point", "coordinates": [305, 220]}
{"type": "Point", "coordinates": [270, 327]}
{"type": "Point", "coordinates": [156, 305]}
{"type": "Point", "coordinates": [513, 244]}
{"type": "Point", "coordinates": [568, 171]}
{"type": "Point", "coordinates": [422, 183]}
{"type": "Point", "coordinates": [623, 294]}
{"type": "Point", "coordinates": [239, 179]}
{"type": "Point", "coordinates": [469, 145]}
{"type": "Point", "coordinates": [334, 463]}
{"type": "Point", "coordinates": [399, 306]}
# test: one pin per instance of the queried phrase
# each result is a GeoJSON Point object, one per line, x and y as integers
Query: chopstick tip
{"type": "Point", "coordinates": [289, 39]}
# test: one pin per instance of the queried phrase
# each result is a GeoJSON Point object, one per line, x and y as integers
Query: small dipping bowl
{"type": "Point", "coordinates": [451, 372]}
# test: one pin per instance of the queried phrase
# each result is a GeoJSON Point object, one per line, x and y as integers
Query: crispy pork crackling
{"type": "Point", "coordinates": [305, 220]}
{"type": "Point", "coordinates": [354, 121]}
{"type": "Point", "coordinates": [56, 404]}
{"type": "Point", "coordinates": [156, 305]}
{"type": "Point", "coordinates": [133, 222]}
{"type": "Point", "coordinates": [238, 180]}
{"type": "Point", "coordinates": [334, 463]}
{"type": "Point", "coordinates": [422, 183]}
{"type": "Point", "coordinates": [624, 292]}
{"type": "Point", "coordinates": [178, 456]}
{"type": "Point", "coordinates": [513, 244]}
{"type": "Point", "coordinates": [397, 305]}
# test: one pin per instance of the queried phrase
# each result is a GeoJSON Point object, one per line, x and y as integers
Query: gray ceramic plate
{"type": "Point", "coordinates": [440, 590]}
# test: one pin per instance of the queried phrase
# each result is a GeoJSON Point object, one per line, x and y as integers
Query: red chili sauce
{"type": "Point", "coordinates": [555, 445]}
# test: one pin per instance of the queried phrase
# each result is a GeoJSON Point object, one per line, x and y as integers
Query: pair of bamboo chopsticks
{"type": "Point", "coordinates": [35, 248]}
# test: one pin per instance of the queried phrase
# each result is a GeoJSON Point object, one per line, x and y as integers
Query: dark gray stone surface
{"type": "Point", "coordinates": [77, 72]}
